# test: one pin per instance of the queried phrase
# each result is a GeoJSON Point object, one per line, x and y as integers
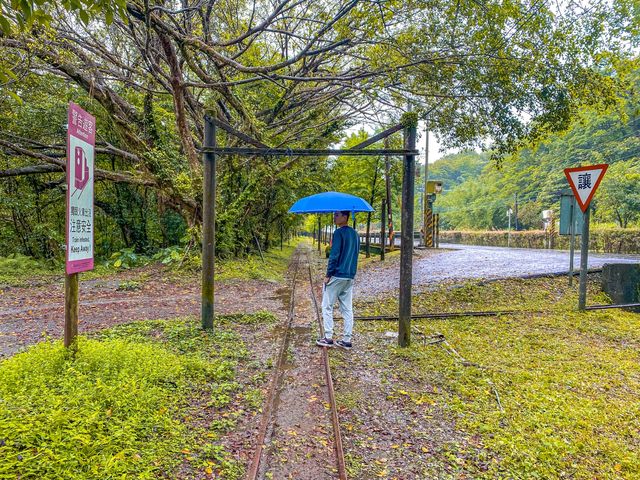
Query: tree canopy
{"type": "Point", "coordinates": [291, 74]}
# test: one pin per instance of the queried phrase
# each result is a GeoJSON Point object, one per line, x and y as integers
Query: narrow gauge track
{"type": "Point", "coordinates": [342, 471]}
{"type": "Point", "coordinates": [257, 468]}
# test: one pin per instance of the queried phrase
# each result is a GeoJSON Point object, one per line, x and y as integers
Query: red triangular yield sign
{"type": "Point", "coordinates": [584, 182]}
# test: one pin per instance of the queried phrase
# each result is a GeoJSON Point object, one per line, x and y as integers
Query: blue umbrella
{"type": "Point", "coordinates": [328, 202]}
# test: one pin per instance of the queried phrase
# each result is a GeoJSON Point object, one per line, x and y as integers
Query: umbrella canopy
{"type": "Point", "coordinates": [328, 202]}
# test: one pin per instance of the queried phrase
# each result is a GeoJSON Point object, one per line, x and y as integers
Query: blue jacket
{"type": "Point", "coordinates": [343, 260]}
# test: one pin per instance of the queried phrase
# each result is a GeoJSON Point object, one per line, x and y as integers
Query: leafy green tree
{"type": "Point", "coordinates": [455, 169]}
{"type": "Point", "coordinates": [618, 197]}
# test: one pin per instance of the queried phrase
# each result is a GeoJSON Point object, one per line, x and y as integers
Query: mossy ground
{"type": "Point", "coordinates": [19, 270]}
{"type": "Point", "coordinates": [551, 394]}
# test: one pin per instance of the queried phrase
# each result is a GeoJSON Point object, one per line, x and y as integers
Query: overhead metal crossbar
{"type": "Point", "coordinates": [210, 150]}
{"type": "Point", "coordinates": [282, 152]}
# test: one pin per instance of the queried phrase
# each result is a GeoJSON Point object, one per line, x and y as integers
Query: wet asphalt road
{"type": "Point", "coordinates": [461, 262]}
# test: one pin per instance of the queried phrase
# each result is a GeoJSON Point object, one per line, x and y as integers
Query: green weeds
{"type": "Point", "coordinates": [551, 395]}
{"type": "Point", "coordinates": [124, 406]}
{"type": "Point", "coordinates": [273, 267]}
{"type": "Point", "coordinates": [17, 270]}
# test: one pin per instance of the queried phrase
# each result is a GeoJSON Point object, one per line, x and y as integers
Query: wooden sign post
{"type": "Point", "coordinates": [81, 139]}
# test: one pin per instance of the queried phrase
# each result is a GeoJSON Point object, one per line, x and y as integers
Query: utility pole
{"type": "Point", "coordinates": [426, 179]}
{"type": "Point", "coordinates": [383, 240]}
{"type": "Point", "coordinates": [208, 225]}
{"type": "Point", "coordinates": [509, 212]}
{"type": "Point", "coordinates": [387, 179]}
{"type": "Point", "coordinates": [406, 242]}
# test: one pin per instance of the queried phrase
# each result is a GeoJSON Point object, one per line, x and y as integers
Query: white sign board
{"type": "Point", "coordinates": [81, 136]}
{"type": "Point", "coordinates": [584, 182]}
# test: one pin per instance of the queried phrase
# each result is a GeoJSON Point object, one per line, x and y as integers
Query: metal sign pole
{"type": "Point", "coordinates": [572, 239]}
{"type": "Point", "coordinates": [584, 256]}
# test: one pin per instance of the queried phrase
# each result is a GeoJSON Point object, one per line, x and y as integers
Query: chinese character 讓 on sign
{"type": "Point", "coordinates": [584, 181]}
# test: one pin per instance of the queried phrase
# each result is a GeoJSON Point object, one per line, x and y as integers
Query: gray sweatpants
{"type": "Point", "coordinates": [340, 289]}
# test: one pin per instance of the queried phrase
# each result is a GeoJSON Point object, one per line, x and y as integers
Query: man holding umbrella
{"type": "Point", "coordinates": [338, 283]}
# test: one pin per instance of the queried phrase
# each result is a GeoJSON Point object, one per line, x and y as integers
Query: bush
{"type": "Point", "coordinates": [112, 412]}
{"type": "Point", "coordinates": [16, 268]}
{"type": "Point", "coordinates": [607, 240]}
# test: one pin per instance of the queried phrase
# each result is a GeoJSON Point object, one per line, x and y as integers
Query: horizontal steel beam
{"type": "Point", "coordinates": [286, 152]}
{"type": "Point", "coordinates": [378, 137]}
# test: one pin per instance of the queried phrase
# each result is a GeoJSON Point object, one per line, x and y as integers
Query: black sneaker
{"type": "Point", "coordinates": [345, 345]}
{"type": "Point", "coordinates": [325, 342]}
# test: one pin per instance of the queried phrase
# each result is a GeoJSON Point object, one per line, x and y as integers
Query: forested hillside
{"type": "Point", "coordinates": [479, 192]}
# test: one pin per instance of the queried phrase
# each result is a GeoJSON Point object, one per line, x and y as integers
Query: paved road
{"type": "Point", "coordinates": [459, 262]}
{"type": "Point", "coordinates": [500, 262]}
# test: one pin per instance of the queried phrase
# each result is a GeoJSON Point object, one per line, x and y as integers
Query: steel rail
{"type": "Point", "coordinates": [618, 305]}
{"type": "Point", "coordinates": [342, 470]}
{"type": "Point", "coordinates": [268, 412]}
{"type": "Point", "coordinates": [436, 315]}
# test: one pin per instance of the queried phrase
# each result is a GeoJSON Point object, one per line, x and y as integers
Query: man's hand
{"type": "Point", "coordinates": [326, 280]}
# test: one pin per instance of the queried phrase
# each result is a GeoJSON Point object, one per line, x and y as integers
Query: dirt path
{"type": "Point", "coordinates": [28, 314]}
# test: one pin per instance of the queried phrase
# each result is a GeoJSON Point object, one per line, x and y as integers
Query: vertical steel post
{"type": "Point", "coordinates": [406, 242]}
{"type": "Point", "coordinates": [428, 226]}
{"type": "Point", "coordinates": [208, 224]}
{"type": "Point", "coordinates": [584, 257]}
{"type": "Point", "coordinates": [572, 239]}
{"type": "Point", "coordinates": [383, 240]}
{"type": "Point", "coordinates": [387, 181]}
{"type": "Point", "coordinates": [71, 287]}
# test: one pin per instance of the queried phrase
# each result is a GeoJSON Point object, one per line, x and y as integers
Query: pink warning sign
{"type": "Point", "coordinates": [81, 136]}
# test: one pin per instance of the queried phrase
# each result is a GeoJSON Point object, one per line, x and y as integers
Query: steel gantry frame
{"type": "Point", "coordinates": [210, 150]}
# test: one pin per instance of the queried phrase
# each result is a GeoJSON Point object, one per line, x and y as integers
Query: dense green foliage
{"type": "Point", "coordinates": [479, 193]}
{"type": "Point", "coordinates": [290, 75]}
{"type": "Point", "coordinates": [122, 406]}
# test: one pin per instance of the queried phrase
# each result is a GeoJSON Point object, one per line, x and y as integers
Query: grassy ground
{"type": "Point", "coordinates": [549, 395]}
{"type": "Point", "coordinates": [273, 267]}
{"type": "Point", "coordinates": [19, 270]}
{"type": "Point", "coordinates": [146, 400]}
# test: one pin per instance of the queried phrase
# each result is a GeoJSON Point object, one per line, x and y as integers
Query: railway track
{"type": "Point", "coordinates": [303, 302]}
